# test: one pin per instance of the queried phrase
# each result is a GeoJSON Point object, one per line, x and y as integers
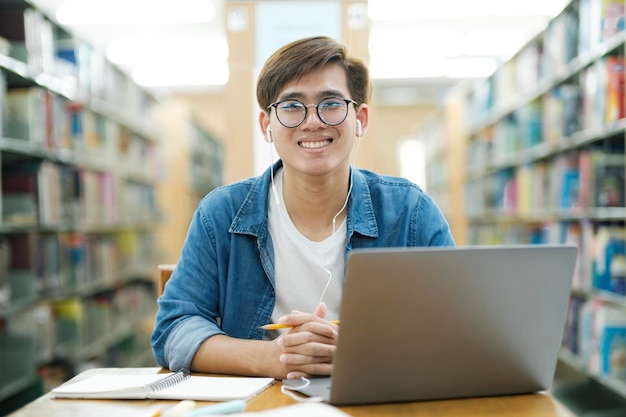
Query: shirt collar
{"type": "Point", "coordinates": [252, 215]}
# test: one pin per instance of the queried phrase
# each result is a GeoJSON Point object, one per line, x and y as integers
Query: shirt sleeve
{"type": "Point", "coordinates": [432, 227]}
{"type": "Point", "coordinates": [188, 309]}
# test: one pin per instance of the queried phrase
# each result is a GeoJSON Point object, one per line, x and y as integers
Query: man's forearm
{"type": "Point", "coordinates": [226, 355]}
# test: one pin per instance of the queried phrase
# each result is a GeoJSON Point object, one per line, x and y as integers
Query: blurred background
{"type": "Point", "coordinates": [118, 116]}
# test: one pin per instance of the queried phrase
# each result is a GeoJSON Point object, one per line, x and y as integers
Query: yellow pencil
{"type": "Point", "coordinates": [276, 326]}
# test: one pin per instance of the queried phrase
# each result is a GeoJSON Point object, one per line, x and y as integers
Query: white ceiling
{"type": "Point", "coordinates": [417, 47]}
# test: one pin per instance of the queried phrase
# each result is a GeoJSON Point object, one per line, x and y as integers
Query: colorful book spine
{"type": "Point", "coordinates": [609, 260]}
{"type": "Point", "coordinates": [611, 18]}
{"type": "Point", "coordinates": [615, 100]}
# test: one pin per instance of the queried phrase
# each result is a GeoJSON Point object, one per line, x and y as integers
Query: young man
{"type": "Point", "coordinates": [273, 248]}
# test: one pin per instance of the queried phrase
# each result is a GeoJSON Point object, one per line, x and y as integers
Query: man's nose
{"type": "Point", "coordinates": [312, 116]}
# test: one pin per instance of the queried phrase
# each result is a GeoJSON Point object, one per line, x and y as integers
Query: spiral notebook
{"type": "Point", "coordinates": [180, 385]}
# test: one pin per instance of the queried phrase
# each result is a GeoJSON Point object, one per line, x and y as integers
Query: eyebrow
{"type": "Point", "coordinates": [300, 96]}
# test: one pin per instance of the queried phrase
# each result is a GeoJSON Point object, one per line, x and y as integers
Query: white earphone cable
{"type": "Point", "coordinates": [334, 220]}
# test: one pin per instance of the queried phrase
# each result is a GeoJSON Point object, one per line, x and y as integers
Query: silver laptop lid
{"type": "Point", "coordinates": [434, 323]}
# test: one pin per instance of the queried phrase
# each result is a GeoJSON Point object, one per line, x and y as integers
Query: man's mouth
{"type": "Point", "coordinates": [316, 144]}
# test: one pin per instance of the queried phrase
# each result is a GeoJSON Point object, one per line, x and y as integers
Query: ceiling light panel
{"type": "Point", "coordinates": [427, 9]}
{"type": "Point", "coordinates": [93, 12]}
{"type": "Point", "coordinates": [171, 48]}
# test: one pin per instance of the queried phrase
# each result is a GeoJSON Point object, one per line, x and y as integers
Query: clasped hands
{"type": "Point", "coordinates": [308, 347]}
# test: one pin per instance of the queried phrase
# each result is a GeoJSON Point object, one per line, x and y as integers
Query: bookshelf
{"type": "Point", "coordinates": [444, 144]}
{"type": "Point", "coordinates": [193, 166]}
{"type": "Point", "coordinates": [79, 168]}
{"type": "Point", "coordinates": [544, 162]}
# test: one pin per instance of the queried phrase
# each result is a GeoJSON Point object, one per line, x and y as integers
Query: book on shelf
{"type": "Point", "coordinates": [589, 90]}
{"type": "Point", "coordinates": [606, 179]}
{"type": "Point", "coordinates": [20, 196]}
{"type": "Point", "coordinates": [40, 117]}
{"type": "Point", "coordinates": [76, 263]}
{"type": "Point", "coordinates": [571, 338]}
{"type": "Point", "coordinates": [525, 199]}
{"type": "Point", "coordinates": [99, 197]}
{"type": "Point", "coordinates": [5, 259]}
{"type": "Point", "coordinates": [572, 30]}
{"type": "Point", "coordinates": [99, 316]}
{"type": "Point", "coordinates": [481, 99]}
{"type": "Point", "coordinates": [602, 88]}
{"type": "Point", "coordinates": [69, 195]}
{"type": "Point", "coordinates": [570, 187]}
{"type": "Point", "coordinates": [5, 46]}
{"type": "Point", "coordinates": [17, 356]}
{"type": "Point", "coordinates": [50, 252]}
{"type": "Point", "coordinates": [570, 101]}
{"type": "Point", "coordinates": [611, 18]}
{"type": "Point", "coordinates": [49, 189]}
{"type": "Point", "coordinates": [58, 120]}
{"type": "Point", "coordinates": [564, 179]}
{"type": "Point", "coordinates": [24, 262]}
{"type": "Point", "coordinates": [36, 322]}
{"type": "Point", "coordinates": [3, 104]}
{"type": "Point", "coordinates": [32, 193]}
{"type": "Point", "coordinates": [539, 187]}
{"type": "Point", "coordinates": [69, 324]}
{"type": "Point", "coordinates": [582, 235]}
{"type": "Point", "coordinates": [180, 385]}
{"type": "Point", "coordinates": [505, 82]}
{"type": "Point", "coordinates": [528, 65]}
{"type": "Point", "coordinates": [615, 100]}
{"type": "Point", "coordinates": [529, 124]}
{"type": "Point", "coordinates": [506, 142]}
{"type": "Point", "coordinates": [40, 42]}
{"type": "Point", "coordinates": [609, 259]}
{"type": "Point", "coordinates": [560, 41]}
{"type": "Point", "coordinates": [26, 114]}
{"type": "Point", "coordinates": [13, 30]}
{"type": "Point", "coordinates": [503, 191]}
{"type": "Point", "coordinates": [590, 25]}
{"type": "Point", "coordinates": [561, 113]}
{"type": "Point", "coordinates": [602, 182]}
{"type": "Point", "coordinates": [31, 36]}
{"type": "Point", "coordinates": [602, 338]}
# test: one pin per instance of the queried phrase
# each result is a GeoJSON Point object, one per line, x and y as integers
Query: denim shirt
{"type": "Point", "coordinates": [223, 282]}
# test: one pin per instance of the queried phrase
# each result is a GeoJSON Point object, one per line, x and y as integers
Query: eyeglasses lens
{"type": "Point", "coordinates": [332, 111]}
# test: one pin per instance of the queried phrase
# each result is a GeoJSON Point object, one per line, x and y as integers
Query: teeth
{"type": "Point", "coordinates": [315, 145]}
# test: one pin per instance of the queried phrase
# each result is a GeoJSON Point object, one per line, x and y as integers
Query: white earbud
{"type": "Point", "coordinates": [359, 131]}
{"type": "Point", "coordinates": [268, 135]}
{"type": "Point", "coordinates": [268, 139]}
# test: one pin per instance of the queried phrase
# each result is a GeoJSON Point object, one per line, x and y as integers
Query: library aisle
{"type": "Point", "coordinates": [86, 176]}
{"type": "Point", "coordinates": [78, 159]}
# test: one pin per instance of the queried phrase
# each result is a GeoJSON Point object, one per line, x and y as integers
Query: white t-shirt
{"type": "Point", "coordinates": [303, 268]}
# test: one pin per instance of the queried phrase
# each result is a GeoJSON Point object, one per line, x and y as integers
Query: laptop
{"type": "Point", "coordinates": [439, 322]}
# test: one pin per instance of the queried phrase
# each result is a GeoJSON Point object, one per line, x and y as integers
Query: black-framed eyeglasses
{"type": "Point", "coordinates": [331, 110]}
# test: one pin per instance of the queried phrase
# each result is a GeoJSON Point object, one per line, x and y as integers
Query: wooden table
{"type": "Point", "coordinates": [534, 405]}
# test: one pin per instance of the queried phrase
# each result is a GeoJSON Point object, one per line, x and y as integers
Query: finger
{"type": "Point", "coordinates": [309, 333]}
{"type": "Point", "coordinates": [297, 317]}
{"type": "Point", "coordinates": [296, 320]}
{"type": "Point", "coordinates": [300, 360]}
{"type": "Point", "coordinates": [320, 311]}
{"type": "Point", "coordinates": [321, 369]}
{"type": "Point", "coordinates": [319, 350]}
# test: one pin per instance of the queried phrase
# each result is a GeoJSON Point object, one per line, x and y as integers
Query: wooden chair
{"type": "Point", "coordinates": [164, 273]}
